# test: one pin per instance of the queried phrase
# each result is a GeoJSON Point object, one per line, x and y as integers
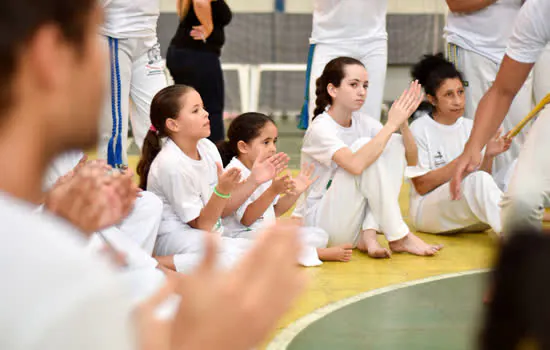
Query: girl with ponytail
{"type": "Point", "coordinates": [251, 137]}
{"type": "Point", "coordinates": [441, 137]}
{"type": "Point", "coordinates": [183, 168]}
{"type": "Point", "coordinates": [360, 164]}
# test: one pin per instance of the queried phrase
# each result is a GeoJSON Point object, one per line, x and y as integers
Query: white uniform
{"type": "Point", "coordinates": [136, 72]}
{"type": "Point", "coordinates": [185, 186]}
{"type": "Point", "coordinates": [529, 190]}
{"type": "Point", "coordinates": [354, 28]}
{"type": "Point", "coordinates": [312, 237]}
{"type": "Point", "coordinates": [343, 204]}
{"type": "Point", "coordinates": [136, 235]}
{"type": "Point", "coordinates": [54, 294]}
{"type": "Point", "coordinates": [541, 72]}
{"type": "Point", "coordinates": [436, 212]}
{"type": "Point", "coordinates": [476, 45]}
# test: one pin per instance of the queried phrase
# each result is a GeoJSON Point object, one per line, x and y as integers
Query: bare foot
{"type": "Point", "coordinates": [368, 243]}
{"type": "Point", "coordinates": [337, 253]}
{"type": "Point", "coordinates": [414, 245]}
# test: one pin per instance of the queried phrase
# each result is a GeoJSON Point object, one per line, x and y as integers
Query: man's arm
{"type": "Point", "coordinates": [495, 104]}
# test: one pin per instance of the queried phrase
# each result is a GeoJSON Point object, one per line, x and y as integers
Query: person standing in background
{"type": "Point", "coordinates": [477, 33]}
{"type": "Point", "coordinates": [193, 57]}
{"type": "Point", "coordinates": [353, 28]}
{"type": "Point", "coordinates": [136, 73]}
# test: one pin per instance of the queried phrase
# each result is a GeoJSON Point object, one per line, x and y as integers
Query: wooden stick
{"type": "Point", "coordinates": [516, 129]}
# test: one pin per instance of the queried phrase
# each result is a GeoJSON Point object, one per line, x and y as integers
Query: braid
{"type": "Point", "coordinates": [323, 98]}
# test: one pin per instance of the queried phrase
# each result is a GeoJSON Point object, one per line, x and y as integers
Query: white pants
{"type": "Point", "coordinates": [366, 201]}
{"type": "Point", "coordinates": [311, 237]}
{"type": "Point", "coordinates": [529, 190]}
{"type": "Point", "coordinates": [438, 213]}
{"type": "Point", "coordinates": [136, 72]}
{"type": "Point", "coordinates": [480, 73]}
{"type": "Point", "coordinates": [187, 246]}
{"type": "Point", "coordinates": [142, 225]}
{"type": "Point", "coordinates": [373, 55]}
{"type": "Point", "coordinates": [541, 75]}
{"type": "Point", "coordinates": [136, 258]}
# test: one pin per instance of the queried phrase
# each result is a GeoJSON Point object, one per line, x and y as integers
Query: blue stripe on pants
{"type": "Point", "coordinates": [111, 159]}
{"type": "Point", "coordinates": [304, 115]}
{"type": "Point", "coordinates": [118, 147]}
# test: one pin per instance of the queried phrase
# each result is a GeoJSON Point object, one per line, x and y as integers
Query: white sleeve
{"type": "Point", "coordinates": [531, 32]}
{"type": "Point", "coordinates": [423, 166]}
{"type": "Point", "coordinates": [321, 144]}
{"type": "Point", "coordinates": [184, 198]}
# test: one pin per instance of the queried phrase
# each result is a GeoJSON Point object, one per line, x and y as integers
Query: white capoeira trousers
{"type": "Point", "coordinates": [187, 246]}
{"type": "Point", "coordinates": [366, 201]}
{"type": "Point", "coordinates": [374, 55]}
{"type": "Point", "coordinates": [136, 73]}
{"type": "Point", "coordinates": [541, 75]}
{"type": "Point", "coordinates": [142, 225]}
{"type": "Point", "coordinates": [477, 209]}
{"type": "Point", "coordinates": [312, 238]}
{"type": "Point", "coordinates": [480, 73]}
{"type": "Point", "coordinates": [529, 189]}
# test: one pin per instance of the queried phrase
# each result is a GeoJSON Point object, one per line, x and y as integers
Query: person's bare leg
{"type": "Point", "coordinates": [414, 245]}
{"type": "Point", "coordinates": [338, 253]}
{"type": "Point", "coordinates": [368, 243]}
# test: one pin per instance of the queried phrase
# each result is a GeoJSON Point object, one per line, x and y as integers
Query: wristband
{"type": "Point", "coordinates": [224, 196]}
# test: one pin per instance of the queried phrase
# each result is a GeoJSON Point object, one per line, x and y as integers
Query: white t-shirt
{"type": "Point", "coordinates": [130, 18]}
{"type": "Point", "coordinates": [438, 145]}
{"type": "Point", "coordinates": [184, 184]}
{"type": "Point", "coordinates": [531, 32]}
{"type": "Point", "coordinates": [322, 139]}
{"type": "Point", "coordinates": [337, 21]}
{"type": "Point", "coordinates": [54, 294]}
{"type": "Point", "coordinates": [486, 31]}
{"type": "Point", "coordinates": [232, 224]}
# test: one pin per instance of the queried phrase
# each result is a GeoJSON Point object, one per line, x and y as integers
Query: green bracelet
{"type": "Point", "coordinates": [224, 196]}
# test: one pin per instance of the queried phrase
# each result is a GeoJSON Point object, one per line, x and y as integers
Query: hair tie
{"type": "Point", "coordinates": [153, 129]}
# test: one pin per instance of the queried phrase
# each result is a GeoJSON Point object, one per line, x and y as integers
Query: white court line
{"type": "Point", "coordinates": [283, 339]}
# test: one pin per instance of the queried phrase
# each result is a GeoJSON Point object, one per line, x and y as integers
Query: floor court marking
{"type": "Point", "coordinates": [285, 337]}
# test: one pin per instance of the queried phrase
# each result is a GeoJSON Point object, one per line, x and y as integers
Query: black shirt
{"type": "Point", "coordinates": [221, 16]}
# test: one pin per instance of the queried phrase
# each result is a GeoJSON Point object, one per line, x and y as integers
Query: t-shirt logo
{"type": "Point", "coordinates": [439, 160]}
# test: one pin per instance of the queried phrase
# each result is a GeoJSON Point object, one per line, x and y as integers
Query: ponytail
{"type": "Point", "coordinates": [323, 98]}
{"type": "Point", "coordinates": [226, 152]}
{"type": "Point", "coordinates": [150, 150]}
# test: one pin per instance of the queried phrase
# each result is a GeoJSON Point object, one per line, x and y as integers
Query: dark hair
{"type": "Point", "coordinates": [332, 74]}
{"type": "Point", "coordinates": [166, 104]}
{"type": "Point", "coordinates": [520, 308]}
{"type": "Point", "coordinates": [432, 71]}
{"type": "Point", "coordinates": [246, 127]}
{"type": "Point", "coordinates": [20, 20]}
